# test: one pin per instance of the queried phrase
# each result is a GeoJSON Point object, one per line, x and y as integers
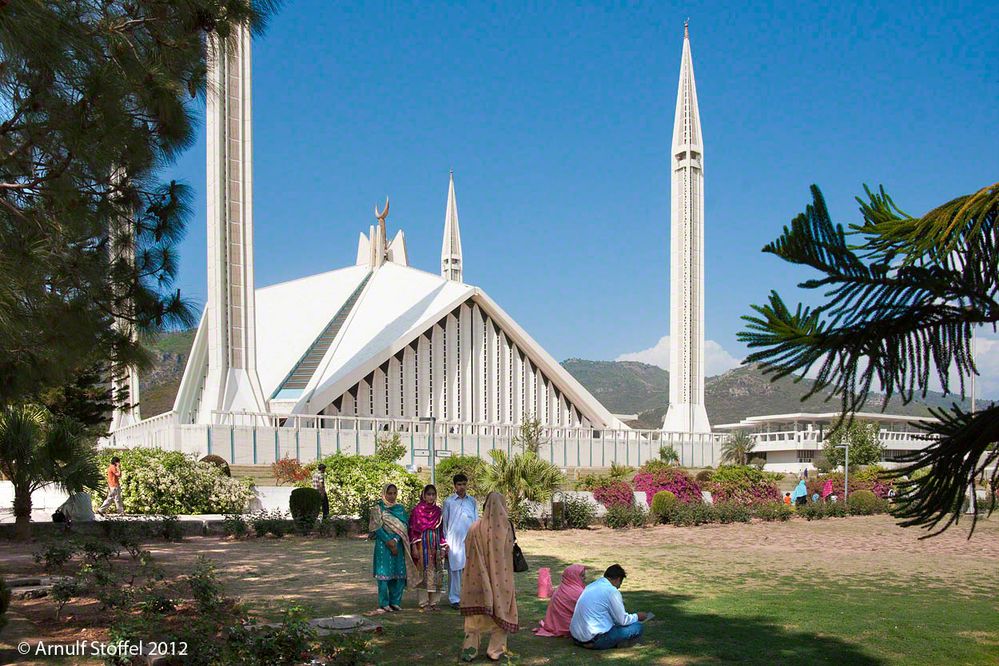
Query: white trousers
{"type": "Point", "coordinates": [454, 585]}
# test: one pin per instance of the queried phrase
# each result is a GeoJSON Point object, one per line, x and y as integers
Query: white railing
{"type": "Point", "coordinates": [258, 438]}
{"type": "Point", "coordinates": [784, 440]}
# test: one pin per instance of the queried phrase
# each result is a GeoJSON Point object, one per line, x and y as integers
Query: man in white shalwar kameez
{"type": "Point", "coordinates": [460, 511]}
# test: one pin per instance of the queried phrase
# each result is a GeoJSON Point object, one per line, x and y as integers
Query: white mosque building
{"type": "Point", "coordinates": [331, 362]}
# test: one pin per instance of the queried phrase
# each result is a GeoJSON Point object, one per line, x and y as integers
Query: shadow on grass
{"type": "Point", "coordinates": [681, 636]}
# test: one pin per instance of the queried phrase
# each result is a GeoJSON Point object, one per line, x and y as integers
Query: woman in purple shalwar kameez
{"type": "Point", "coordinates": [428, 548]}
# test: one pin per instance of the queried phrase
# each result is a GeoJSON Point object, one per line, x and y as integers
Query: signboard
{"type": "Point", "coordinates": [443, 453]}
{"type": "Point", "coordinates": [421, 452]}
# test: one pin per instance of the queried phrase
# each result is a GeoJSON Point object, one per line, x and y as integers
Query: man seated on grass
{"type": "Point", "coordinates": [600, 621]}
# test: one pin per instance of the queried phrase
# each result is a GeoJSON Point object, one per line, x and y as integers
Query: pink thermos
{"type": "Point", "coordinates": [545, 588]}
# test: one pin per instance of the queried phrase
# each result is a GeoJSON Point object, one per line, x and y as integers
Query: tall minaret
{"type": "Point", "coordinates": [451, 248]}
{"type": "Point", "coordinates": [124, 379]}
{"type": "Point", "coordinates": [232, 384]}
{"type": "Point", "coordinates": [686, 411]}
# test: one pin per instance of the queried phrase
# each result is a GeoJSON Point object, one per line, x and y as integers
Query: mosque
{"type": "Point", "coordinates": [383, 339]}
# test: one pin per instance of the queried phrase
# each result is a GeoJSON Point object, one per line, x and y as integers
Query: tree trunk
{"type": "Point", "coordinates": [22, 512]}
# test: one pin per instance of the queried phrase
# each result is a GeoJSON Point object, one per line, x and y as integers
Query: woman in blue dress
{"type": "Point", "coordinates": [389, 528]}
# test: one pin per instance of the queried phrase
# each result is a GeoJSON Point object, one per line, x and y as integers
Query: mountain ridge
{"type": "Point", "coordinates": [623, 387]}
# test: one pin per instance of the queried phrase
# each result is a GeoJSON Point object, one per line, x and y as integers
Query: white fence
{"type": "Point", "coordinates": [260, 439]}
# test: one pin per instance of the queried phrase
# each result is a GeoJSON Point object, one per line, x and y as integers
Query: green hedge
{"type": "Point", "coordinates": [154, 481]}
{"type": "Point", "coordinates": [305, 505]}
{"type": "Point", "coordinates": [473, 467]}
{"type": "Point", "coordinates": [354, 483]}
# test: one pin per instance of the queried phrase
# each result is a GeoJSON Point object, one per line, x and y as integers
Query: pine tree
{"type": "Point", "coordinates": [95, 98]}
{"type": "Point", "coordinates": [900, 305]}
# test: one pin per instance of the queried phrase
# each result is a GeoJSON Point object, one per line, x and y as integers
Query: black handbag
{"type": "Point", "coordinates": [519, 561]}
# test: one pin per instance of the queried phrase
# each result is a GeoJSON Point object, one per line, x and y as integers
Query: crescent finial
{"type": "Point", "coordinates": [382, 215]}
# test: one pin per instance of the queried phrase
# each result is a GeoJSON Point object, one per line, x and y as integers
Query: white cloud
{"type": "Point", "coordinates": [716, 359]}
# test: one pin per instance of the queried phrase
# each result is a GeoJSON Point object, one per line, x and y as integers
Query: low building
{"type": "Point", "coordinates": [790, 442]}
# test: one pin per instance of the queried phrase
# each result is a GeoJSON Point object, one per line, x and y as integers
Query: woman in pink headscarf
{"type": "Point", "coordinates": [827, 490]}
{"type": "Point", "coordinates": [428, 549]}
{"type": "Point", "coordinates": [563, 603]}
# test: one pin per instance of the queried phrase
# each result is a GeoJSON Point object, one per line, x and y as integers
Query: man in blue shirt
{"type": "Point", "coordinates": [600, 621]}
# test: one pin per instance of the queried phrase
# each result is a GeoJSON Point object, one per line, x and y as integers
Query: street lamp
{"type": "Point", "coordinates": [846, 470]}
{"type": "Point", "coordinates": [432, 446]}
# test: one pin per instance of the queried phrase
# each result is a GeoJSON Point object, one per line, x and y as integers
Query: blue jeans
{"type": "Point", "coordinates": [616, 635]}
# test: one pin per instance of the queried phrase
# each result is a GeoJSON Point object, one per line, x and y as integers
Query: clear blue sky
{"type": "Point", "coordinates": [557, 120]}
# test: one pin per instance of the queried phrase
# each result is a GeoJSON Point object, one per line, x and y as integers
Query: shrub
{"type": "Point", "coordinates": [269, 522]}
{"type": "Point", "coordinates": [662, 503]}
{"type": "Point", "coordinates": [354, 482]}
{"type": "Point", "coordinates": [812, 511]}
{"type": "Point", "coordinates": [690, 514]}
{"type": "Point", "coordinates": [288, 470]}
{"type": "Point", "coordinates": [669, 455]}
{"type": "Point", "coordinates": [155, 481]}
{"type": "Point", "coordinates": [619, 516]}
{"type": "Point", "coordinates": [675, 480]}
{"type": "Point", "coordinates": [56, 554]}
{"type": "Point", "coordinates": [744, 484]}
{"type": "Point", "coordinates": [614, 494]}
{"type": "Point", "coordinates": [704, 476]}
{"type": "Point", "coordinates": [620, 472]}
{"type": "Point", "coordinates": [655, 465]}
{"type": "Point", "coordinates": [234, 525]}
{"type": "Point", "coordinates": [759, 462]}
{"type": "Point", "coordinates": [219, 462]}
{"type": "Point", "coordinates": [305, 505]}
{"type": "Point", "coordinates": [732, 512]}
{"type": "Point", "coordinates": [863, 503]}
{"type": "Point", "coordinates": [332, 527]}
{"type": "Point", "coordinates": [473, 467]}
{"type": "Point", "coordinates": [578, 513]}
{"type": "Point", "coordinates": [835, 509]}
{"type": "Point", "coordinates": [593, 481]}
{"type": "Point", "coordinates": [772, 511]}
{"type": "Point", "coordinates": [390, 449]}
{"type": "Point", "coordinates": [168, 528]}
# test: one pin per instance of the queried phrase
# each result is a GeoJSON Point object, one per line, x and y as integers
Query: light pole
{"type": "Point", "coordinates": [973, 498]}
{"type": "Point", "coordinates": [432, 446]}
{"type": "Point", "coordinates": [846, 471]}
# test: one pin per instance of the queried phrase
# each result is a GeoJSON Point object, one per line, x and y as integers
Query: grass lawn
{"type": "Point", "coordinates": [836, 591]}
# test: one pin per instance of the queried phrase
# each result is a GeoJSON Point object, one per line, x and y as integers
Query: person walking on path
{"type": "Point", "coordinates": [319, 483]}
{"type": "Point", "coordinates": [114, 488]}
{"type": "Point", "coordinates": [388, 525]}
{"type": "Point", "coordinates": [600, 621]}
{"type": "Point", "coordinates": [460, 511]}
{"type": "Point", "coordinates": [563, 603]}
{"type": "Point", "coordinates": [427, 543]}
{"type": "Point", "coordinates": [489, 596]}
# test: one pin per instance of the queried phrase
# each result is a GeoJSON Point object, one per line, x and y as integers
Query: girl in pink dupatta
{"type": "Point", "coordinates": [427, 547]}
{"type": "Point", "coordinates": [827, 489]}
{"type": "Point", "coordinates": [563, 603]}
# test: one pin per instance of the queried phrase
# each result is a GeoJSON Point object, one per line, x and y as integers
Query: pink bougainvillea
{"type": "Point", "coordinates": [674, 480]}
{"type": "Point", "coordinates": [617, 493]}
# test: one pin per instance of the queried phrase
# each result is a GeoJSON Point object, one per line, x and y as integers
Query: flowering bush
{"type": "Point", "coordinates": [675, 480]}
{"type": "Point", "coordinates": [288, 470]}
{"type": "Point", "coordinates": [872, 478]}
{"type": "Point", "coordinates": [354, 483]}
{"type": "Point", "coordinates": [617, 493]}
{"type": "Point", "coordinates": [744, 485]}
{"type": "Point", "coordinates": [154, 481]}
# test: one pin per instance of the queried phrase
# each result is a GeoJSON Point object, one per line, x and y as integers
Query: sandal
{"type": "Point", "coordinates": [395, 608]}
{"type": "Point", "coordinates": [378, 611]}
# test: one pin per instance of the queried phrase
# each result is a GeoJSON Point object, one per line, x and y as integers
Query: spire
{"type": "Point", "coordinates": [687, 121]}
{"type": "Point", "coordinates": [451, 248]}
{"type": "Point", "coordinates": [686, 413]}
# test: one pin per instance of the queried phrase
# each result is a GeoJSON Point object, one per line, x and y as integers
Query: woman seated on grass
{"type": "Point", "coordinates": [563, 603]}
{"type": "Point", "coordinates": [388, 525]}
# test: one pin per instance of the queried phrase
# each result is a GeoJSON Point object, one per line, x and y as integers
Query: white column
{"type": "Point", "coordinates": [232, 383]}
